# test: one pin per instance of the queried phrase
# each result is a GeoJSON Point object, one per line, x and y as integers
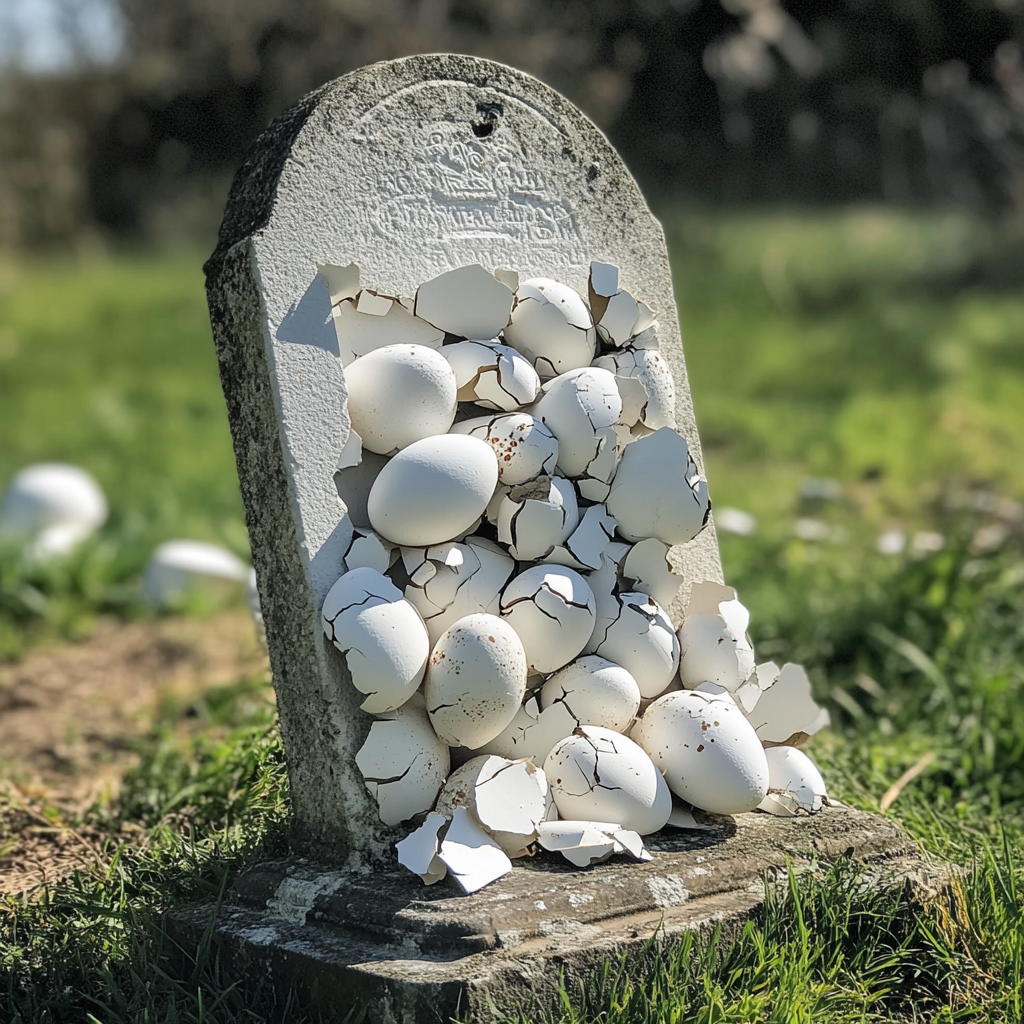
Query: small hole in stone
{"type": "Point", "coordinates": [481, 129]}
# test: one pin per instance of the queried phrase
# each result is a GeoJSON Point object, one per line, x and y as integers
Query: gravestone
{"type": "Point", "coordinates": [409, 169]}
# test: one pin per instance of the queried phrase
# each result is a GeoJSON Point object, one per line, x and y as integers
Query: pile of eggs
{"type": "Point", "coordinates": [516, 482]}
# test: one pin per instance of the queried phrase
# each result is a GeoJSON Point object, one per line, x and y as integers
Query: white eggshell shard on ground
{"type": "Point", "coordinates": [475, 680]}
{"type": "Point", "coordinates": [647, 568]}
{"type": "Point", "coordinates": [471, 856]}
{"type": "Point", "coordinates": [493, 375]}
{"type": "Point", "coordinates": [602, 775]}
{"type": "Point", "coordinates": [533, 733]}
{"type": "Point", "coordinates": [713, 642]}
{"type": "Point", "coordinates": [361, 333]}
{"type": "Point", "coordinates": [179, 566]}
{"type": "Point", "coordinates": [785, 712]}
{"type": "Point", "coordinates": [682, 817]}
{"type": "Point", "coordinates": [553, 611]}
{"type": "Point", "coordinates": [400, 394]}
{"type": "Point", "coordinates": [648, 368]}
{"type": "Point", "coordinates": [380, 635]}
{"type": "Point", "coordinates": [369, 551]}
{"type": "Point", "coordinates": [403, 763]}
{"type": "Point", "coordinates": [524, 446]}
{"type": "Point", "coordinates": [657, 491]}
{"type": "Point", "coordinates": [53, 507]}
{"type": "Point", "coordinates": [508, 798]}
{"type": "Point", "coordinates": [467, 302]}
{"type": "Point", "coordinates": [709, 753]}
{"type": "Point", "coordinates": [534, 518]}
{"type": "Point", "coordinates": [595, 691]}
{"type": "Point", "coordinates": [585, 843]}
{"type": "Point", "coordinates": [794, 783]}
{"type": "Point", "coordinates": [579, 407]}
{"type": "Point", "coordinates": [552, 327]}
{"type": "Point", "coordinates": [417, 852]}
{"type": "Point", "coordinates": [433, 490]}
{"type": "Point", "coordinates": [634, 631]}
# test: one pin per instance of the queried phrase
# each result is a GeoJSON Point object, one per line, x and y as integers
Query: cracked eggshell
{"type": "Point", "coordinates": [552, 327]}
{"type": "Point", "coordinates": [524, 446]}
{"type": "Point", "coordinates": [648, 568]}
{"type": "Point", "coordinates": [654, 404]}
{"type": "Point", "coordinates": [634, 631]}
{"type": "Point", "coordinates": [417, 852]}
{"type": "Point", "coordinates": [657, 491]}
{"type": "Point", "coordinates": [536, 517]}
{"type": "Point", "coordinates": [713, 642]}
{"type": "Point", "coordinates": [471, 856]}
{"type": "Point", "coordinates": [367, 550]}
{"type": "Point", "coordinates": [508, 798]}
{"type": "Point", "coordinates": [785, 712]}
{"type": "Point", "coordinates": [380, 635]}
{"type": "Point", "coordinates": [615, 322]}
{"type": "Point", "coordinates": [433, 490]}
{"type": "Point", "coordinates": [400, 394]}
{"type": "Point", "coordinates": [598, 774]}
{"type": "Point", "coordinates": [709, 753]}
{"type": "Point", "coordinates": [492, 375]}
{"type": "Point", "coordinates": [360, 333]}
{"type": "Point", "coordinates": [533, 733]}
{"type": "Point", "coordinates": [476, 680]}
{"type": "Point", "coordinates": [794, 783]}
{"type": "Point", "coordinates": [467, 302]}
{"type": "Point", "coordinates": [585, 547]}
{"type": "Point", "coordinates": [595, 691]}
{"type": "Point", "coordinates": [403, 763]}
{"type": "Point", "coordinates": [553, 611]}
{"type": "Point", "coordinates": [585, 843]}
{"type": "Point", "coordinates": [580, 408]}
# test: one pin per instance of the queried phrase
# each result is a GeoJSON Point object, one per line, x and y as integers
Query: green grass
{"type": "Point", "coordinates": [884, 350]}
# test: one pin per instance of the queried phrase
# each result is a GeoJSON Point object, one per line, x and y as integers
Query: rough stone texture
{"type": "Point", "coordinates": [409, 168]}
{"type": "Point", "coordinates": [407, 953]}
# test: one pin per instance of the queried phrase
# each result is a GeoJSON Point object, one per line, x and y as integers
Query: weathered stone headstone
{"type": "Point", "coordinates": [409, 169]}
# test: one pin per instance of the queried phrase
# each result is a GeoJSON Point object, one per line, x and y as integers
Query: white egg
{"type": "Point", "coordinates": [467, 302]}
{"type": "Point", "coordinates": [400, 394]}
{"type": "Point", "coordinates": [595, 691]}
{"type": "Point", "coordinates": [713, 642]}
{"type": "Point", "coordinates": [476, 680]}
{"type": "Point", "coordinates": [580, 408]}
{"type": "Point", "coordinates": [708, 751]}
{"type": "Point", "coordinates": [380, 635]}
{"type": "Point", "coordinates": [552, 327]}
{"type": "Point", "coordinates": [537, 516]}
{"type": "Point", "coordinates": [433, 490]}
{"type": "Point", "coordinates": [649, 369]}
{"type": "Point", "coordinates": [178, 567]}
{"type": "Point", "coordinates": [794, 783]}
{"type": "Point", "coordinates": [533, 733]}
{"type": "Point", "coordinates": [508, 798]}
{"type": "Point", "coordinates": [462, 579]}
{"type": "Point", "coordinates": [657, 491]}
{"type": "Point", "coordinates": [404, 763]}
{"type": "Point", "coordinates": [492, 375]}
{"type": "Point", "coordinates": [553, 611]}
{"type": "Point", "coordinates": [634, 631]}
{"type": "Point", "coordinates": [600, 775]}
{"type": "Point", "coordinates": [524, 446]}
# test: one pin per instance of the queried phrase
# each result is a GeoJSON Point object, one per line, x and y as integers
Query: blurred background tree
{"type": "Point", "coordinates": [137, 128]}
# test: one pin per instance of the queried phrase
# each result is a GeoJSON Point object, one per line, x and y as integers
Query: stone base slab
{"type": "Point", "coordinates": [409, 954]}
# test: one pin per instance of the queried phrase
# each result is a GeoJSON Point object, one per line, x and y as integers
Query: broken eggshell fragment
{"type": "Point", "coordinates": [794, 784]}
{"type": "Point", "coordinates": [585, 547]}
{"type": "Point", "coordinates": [634, 631]}
{"type": "Point", "coordinates": [647, 568]}
{"type": "Point", "coordinates": [380, 635]}
{"type": "Point", "coordinates": [553, 611]}
{"type": "Point", "coordinates": [533, 733]}
{"type": "Point", "coordinates": [600, 774]}
{"type": "Point", "coordinates": [369, 551]}
{"type": "Point", "coordinates": [535, 517]}
{"type": "Point", "coordinates": [657, 491]}
{"type": "Point", "coordinates": [524, 446]}
{"type": "Point", "coordinates": [713, 642]}
{"type": "Point", "coordinates": [471, 856]}
{"type": "Point", "coordinates": [552, 327]}
{"type": "Point", "coordinates": [654, 404]}
{"type": "Point", "coordinates": [433, 490]}
{"type": "Point", "coordinates": [403, 763]}
{"type": "Point", "coordinates": [586, 843]}
{"type": "Point", "coordinates": [360, 333]}
{"type": "Point", "coordinates": [417, 852]}
{"type": "Point", "coordinates": [785, 712]}
{"type": "Point", "coordinates": [493, 375]}
{"type": "Point", "coordinates": [467, 302]}
{"type": "Point", "coordinates": [595, 691]}
{"type": "Point", "coordinates": [709, 753]}
{"type": "Point", "coordinates": [400, 394]}
{"type": "Point", "coordinates": [475, 680]}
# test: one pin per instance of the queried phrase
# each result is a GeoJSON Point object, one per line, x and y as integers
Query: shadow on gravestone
{"type": "Point", "coordinates": [409, 169]}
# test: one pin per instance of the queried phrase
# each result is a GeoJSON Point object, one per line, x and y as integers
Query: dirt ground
{"type": "Point", "coordinates": [69, 716]}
